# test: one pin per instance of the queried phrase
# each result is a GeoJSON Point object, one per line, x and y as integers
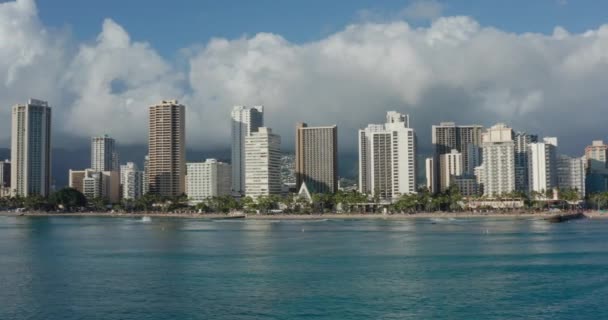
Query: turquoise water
{"type": "Point", "coordinates": [115, 268]}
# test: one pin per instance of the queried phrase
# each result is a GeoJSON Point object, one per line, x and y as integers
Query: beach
{"type": "Point", "coordinates": [315, 216]}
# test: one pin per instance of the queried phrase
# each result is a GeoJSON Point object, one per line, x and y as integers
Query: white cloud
{"type": "Point", "coordinates": [454, 69]}
{"type": "Point", "coordinates": [423, 10]}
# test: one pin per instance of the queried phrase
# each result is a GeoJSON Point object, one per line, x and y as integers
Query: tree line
{"type": "Point", "coordinates": [71, 200]}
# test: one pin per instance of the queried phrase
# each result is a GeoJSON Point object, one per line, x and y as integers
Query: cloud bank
{"type": "Point", "coordinates": [454, 69]}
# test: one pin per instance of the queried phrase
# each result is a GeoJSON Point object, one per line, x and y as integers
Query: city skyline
{"type": "Point", "coordinates": [116, 71]}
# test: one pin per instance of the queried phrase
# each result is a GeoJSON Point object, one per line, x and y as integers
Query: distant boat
{"type": "Point", "coordinates": [146, 219]}
{"type": "Point", "coordinates": [565, 217]}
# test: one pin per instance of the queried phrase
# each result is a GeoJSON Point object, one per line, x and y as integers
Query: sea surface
{"type": "Point", "coordinates": [127, 268]}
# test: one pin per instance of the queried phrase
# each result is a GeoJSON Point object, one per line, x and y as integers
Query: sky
{"type": "Point", "coordinates": [539, 66]}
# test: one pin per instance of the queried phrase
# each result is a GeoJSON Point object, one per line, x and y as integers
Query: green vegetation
{"type": "Point", "coordinates": [70, 200]}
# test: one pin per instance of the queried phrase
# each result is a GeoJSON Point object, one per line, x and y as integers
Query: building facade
{"type": "Point", "coordinates": [317, 158]}
{"type": "Point", "coordinates": [571, 174]}
{"type": "Point", "coordinates": [132, 181]}
{"type": "Point", "coordinates": [429, 170]}
{"type": "Point", "coordinates": [96, 184]}
{"type": "Point", "coordinates": [5, 174]}
{"type": "Point", "coordinates": [207, 180]}
{"type": "Point", "coordinates": [466, 184]}
{"type": "Point", "coordinates": [167, 144]}
{"type": "Point", "coordinates": [542, 166]}
{"type": "Point", "coordinates": [245, 121]}
{"type": "Point", "coordinates": [596, 170]}
{"type": "Point", "coordinates": [451, 165]}
{"type": "Point", "coordinates": [103, 154]}
{"type": "Point", "coordinates": [387, 158]}
{"type": "Point", "coordinates": [31, 149]}
{"type": "Point", "coordinates": [522, 140]}
{"type": "Point", "coordinates": [448, 136]}
{"type": "Point", "coordinates": [263, 163]}
{"type": "Point", "coordinates": [498, 161]}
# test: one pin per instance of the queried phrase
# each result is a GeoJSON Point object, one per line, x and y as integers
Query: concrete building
{"type": "Point", "coordinates": [596, 155]}
{"type": "Point", "coordinates": [473, 159]}
{"type": "Point", "coordinates": [145, 189]}
{"type": "Point", "coordinates": [387, 158]}
{"type": "Point", "coordinates": [103, 154]}
{"type": "Point", "coordinates": [498, 160]}
{"type": "Point", "coordinates": [522, 140]}
{"type": "Point", "coordinates": [131, 181]}
{"type": "Point", "coordinates": [263, 163]}
{"type": "Point", "coordinates": [317, 158]}
{"type": "Point", "coordinates": [542, 165]}
{"type": "Point", "coordinates": [430, 174]}
{"type": "Point", "coordinates": [451, 165]}
{"type": "Point", "coordinates": [245, 121]}
{"type": "Point", "coordinates": [5, 174]}
{"type": "Point", "coordinates": [96, 184]}
{"type": "Point", "coordinates": [167, 143]}
{"type": "Point", "coordinates": [571, 174]}
{"type": "Point", "coordinates": [595, 167]}
{"type": "Point", "coordinates": [31, 149]}
{"type": "Point", "coordinates": [466, 184]}
{"type": "Point", "coordinates": [207, 180]}
{"type": "Point", "coordinates": [448, 136]}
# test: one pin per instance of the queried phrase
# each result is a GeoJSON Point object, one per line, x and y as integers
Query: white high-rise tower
{"type": "Point", "coordinates": [103, 154]}
{"type": "Point", "coordinates": [387, 158]}
{"type": "Point", "coordinates": [31, 149]}
{"type": "Point", "coordinates": [245, 120]}
{"type": "Point", "coordinates": [498, 161]}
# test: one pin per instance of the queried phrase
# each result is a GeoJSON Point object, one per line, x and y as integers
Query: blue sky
{"type": "Point", "coordinates": [172, 25]}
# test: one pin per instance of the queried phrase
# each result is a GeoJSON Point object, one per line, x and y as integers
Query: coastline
{"type": "Point", "coordinates": [317, 216]}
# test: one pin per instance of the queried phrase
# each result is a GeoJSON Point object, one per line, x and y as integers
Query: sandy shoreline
{"type": "Point", "coordinates": [590, 214]}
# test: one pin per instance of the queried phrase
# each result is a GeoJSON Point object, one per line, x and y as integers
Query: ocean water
{"type": "Point", "coordinates": [121, 268]}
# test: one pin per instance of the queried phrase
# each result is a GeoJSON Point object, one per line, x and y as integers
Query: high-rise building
{"type": "Point", "coordinates": [498, 161]}
{"type": "Point", "coordinates": [597, 172]}
{"type": "Point", "coordinates": [5, 174]}
{"type": "Point", "coordinates": [96, 184]}
{"type": "Point", "coordinates": [430, 174]}
{"type": "Point", "coordinates": [571, 174]}
{"type": "Point", "coordinates": [103, 154]}
{"type": "Point", "coordinates": [31, 149]}
{"type": "Point", "coordinates": [208, 179]}
{"type": "Point", "coordinates": [132, 181]}
{"type": "Point", "coordinates": [542, 165]}
{"type": "Point", "coordinates": [387, 158]}
{"type": "Point", "coordinates": [167, 144]}
{"type": "Point", "coordinates": [596, 155]}
{"type": "Point", "coordinates": [448, 136]}
{"type": "Point", "coordinates": [245, 121]}
{"type": "Point", "coordinates": [451, 165]}
{"type": "Point", "coordinates": [317, 158]}
{"type": "Point", "coordinates": [263, 163]}
{"type": "Point", "coordinates": [145, 189]}
{"type": "Point", "coordinates": [522, 140]}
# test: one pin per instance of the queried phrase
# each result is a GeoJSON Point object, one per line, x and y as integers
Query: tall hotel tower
{"type": "Point", "coordinates": [103, 154]}
{"type": "Point", "coordinates": [31, 149]}
{"type": "Point", "coordinates": [167, 144]}
{"type": "Point", "coordinates": [317, 158]}
{"type": "Point", "coordinates": [448, 136]}
{"type": "Point", "coordinates": [498, 161]}
{"type": "Point", "coordinates": [263, 157]}
{"type": "Point", "coordinates": [387, 158]}
{"type": "Point", "coordinates": [245, 120]}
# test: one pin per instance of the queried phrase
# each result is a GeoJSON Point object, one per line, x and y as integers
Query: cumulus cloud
{"type": "Point", "coordinates": [423, 10]}
{"type": "Point", "coordinates": [453, 69]}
